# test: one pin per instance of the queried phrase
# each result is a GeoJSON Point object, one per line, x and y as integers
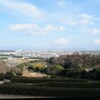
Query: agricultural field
{"type": "Point", "coordinates": [58, 88]}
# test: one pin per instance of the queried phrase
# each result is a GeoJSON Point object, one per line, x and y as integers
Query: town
{"type": "Point", "coordinates": [14, 57]}
{"type": "Point", "coordinates": [9, 54]}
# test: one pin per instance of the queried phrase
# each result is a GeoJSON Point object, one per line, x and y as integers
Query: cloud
{"type": "Point", "coordinates": [85, 15]}
{"type": "Point", "coordinates": [23, 27]}
{"type": "Point", "coordinates": [61, 4]}
{"type": "Point", "coordinates": [31, 11]}
{"type": "Point", "coordinates": [82, 19]}
{"type": "Point", "coordinates": [39, 32]}
{"type": "Point", "coordinates": [78, 19]}
{"type": "Point", "coordinates": [50, 28]}
{"type": "Point", "coordinates": [61, 28]}
{"type": "Point", "coordinates": [85, 18]}
{"type": "Point", "coordinates": [23, 8]}
{"type": "Point", "coordinates": [35, 29]}
{"type": "Point", "coordinates": [94, 31]}
{"type": "Point", "coordinates": [61, 41]}
{"type": "Point", "coordinates": [54, 28]}
{"type": "Point", "coordinates": [97, 42]}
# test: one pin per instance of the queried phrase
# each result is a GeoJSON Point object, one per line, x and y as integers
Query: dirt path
{"type": "Point", "coordinates": [7, 96]}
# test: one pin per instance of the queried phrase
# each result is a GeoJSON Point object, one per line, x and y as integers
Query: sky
{"type": "Point", "coordinates": [50, 24]}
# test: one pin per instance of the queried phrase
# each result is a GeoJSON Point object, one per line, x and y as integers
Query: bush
{"type": "Point", "coordinates": [1, 77]}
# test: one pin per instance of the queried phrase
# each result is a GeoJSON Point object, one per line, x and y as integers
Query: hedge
{"type": "Point", "coordinates": [69, 84]}
{"type": "Point", "coordinates": [48, 91]}
{"type": "Point", "coordinates": [34, 80]}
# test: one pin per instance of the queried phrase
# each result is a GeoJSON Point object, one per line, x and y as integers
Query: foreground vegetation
{"type": "Point", "coordinates": [84, 66]}
{"type": "Point", "coordinates": [70, 88]}
{"type": "Point", "coordinates": [66, 76]}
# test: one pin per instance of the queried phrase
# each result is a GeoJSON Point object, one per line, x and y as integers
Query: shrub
{"type": "Point", "coordinates": [1, 77]}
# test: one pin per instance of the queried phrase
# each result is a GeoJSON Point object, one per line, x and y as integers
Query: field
{"type": "Point", "coordinates": [70, 88]}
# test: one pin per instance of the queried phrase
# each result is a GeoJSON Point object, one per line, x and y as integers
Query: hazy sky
{"type": "Point", "coordinates": [50, 24]}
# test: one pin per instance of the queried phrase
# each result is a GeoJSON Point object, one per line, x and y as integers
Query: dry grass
{"type": "Point", "coordinates": [26, 73]}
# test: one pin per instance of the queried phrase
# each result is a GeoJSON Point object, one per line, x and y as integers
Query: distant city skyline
{"type": "Point", "coordinates": [50, 24]}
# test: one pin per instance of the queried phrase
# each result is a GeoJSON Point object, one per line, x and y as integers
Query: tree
{"type": "Point", "coordinates": [58, 67]}
{"type": "Point", "coordinates": [31, 68]}
{"type": "Point", "coordinates": [96, 72]}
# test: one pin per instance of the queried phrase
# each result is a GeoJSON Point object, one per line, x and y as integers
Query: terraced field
{"type": "Point", "coordinates": [67, 88]}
